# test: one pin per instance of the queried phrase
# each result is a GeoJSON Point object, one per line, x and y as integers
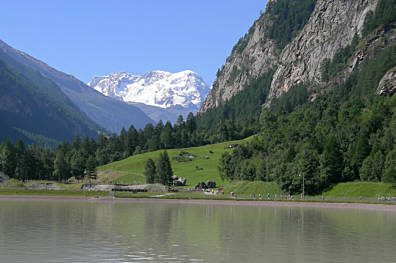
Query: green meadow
{"type": "Point", "coordinates": [200, 169]}
{"type": "Point", "coordinates": [364, 189]}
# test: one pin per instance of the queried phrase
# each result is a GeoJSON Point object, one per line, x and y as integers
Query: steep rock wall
{"type": "Point", "coordinates": [254, 55]}
{"type": "Point", "coordinates": [332, 26]}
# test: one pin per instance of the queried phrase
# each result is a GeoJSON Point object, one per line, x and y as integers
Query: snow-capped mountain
{"type": "Point", "coordinates": [162, 89]}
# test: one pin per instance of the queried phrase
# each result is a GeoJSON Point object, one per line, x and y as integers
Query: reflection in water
{"type": "Point", "coordinates": [67, 231]}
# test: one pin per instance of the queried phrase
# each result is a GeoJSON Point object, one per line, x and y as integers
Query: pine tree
{"type": "Point", "coordinates": [77, 165]}
{"type": "Point", "coordinates": [150, 172]}
{"type": "Point", "coordinates": [85, 147]}
{"type": "Point", "coordinates": [132, 140]}
{"type": "Point", "coordinates": [101, 140]}
{"type": "Point", "coordinates": [91, 168]}
{"type": "Point", "coordinates": [164, 169]}
{"type": "Point", "coordinates": [19, 148]}
{"type": "Point", "coordinates": [23, 169]}
{"type": "Point", "coordinates": [148, 131]}
{"type": "Point", "coordinates": [158, 128]}
{"type": "Point", "coordinates": [8, 159]}
{"type": "Point", "coordinates": [123, 140]}
{"type": "Point", "coordinates": [167, 136]}
{"type": "Point", "coordinates": [191, 123]}
{"type": "Point", "coordinates": [261, 174]}
{"type": "Point", "coordinates": [360, 151]}
{"type": "Point", "coordinates": [180, 121]}
{"type": "Point", "coordinates": [333, 161]}
{"type": "Point", "coordinates": [61, 169]}
{"type": "Point", "coordinates": [390, 168]}
{"type": "Point", "coordinates": [21, 165]}
{"type": "Point", "coordinates": [47, 160]}
{"type": "Point", "coordinates": [1, 151]}
{"type": "Point", "coordinates": [76, 142]}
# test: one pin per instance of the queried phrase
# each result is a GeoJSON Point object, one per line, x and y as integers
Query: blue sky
{"type": "Point", "coordinates": [86, 37]}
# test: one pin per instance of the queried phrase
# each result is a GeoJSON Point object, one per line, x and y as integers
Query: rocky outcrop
{"type": "Point", "coordinates": [374, 44]}
{"type": "Point", "coordinates": [97, 187]}
{"type": "Point", "coordinates": [176, 181]}
{"type": "Point", "coordinates": [387, 85]}
{"type": "Point", "coordinates": [254, 55]}
{"type": "Point", "coordinates": [332, 26]}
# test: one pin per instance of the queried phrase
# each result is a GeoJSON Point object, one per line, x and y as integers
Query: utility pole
{"type": "Point", "coordinates": [303, 190]}
{"type": "Point", "coordinates": [303, 186]}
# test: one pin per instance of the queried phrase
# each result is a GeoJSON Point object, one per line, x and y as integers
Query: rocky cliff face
{"type": "Point", "coordinates": [332, 25]}
{"type": "Point", "coordinates": [387, 85]}
{"type": "Point", "coordinates": [254, 55]}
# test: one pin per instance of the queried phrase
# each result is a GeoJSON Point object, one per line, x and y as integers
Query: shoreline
{"type": "Point", "coordinates": [359, 206]}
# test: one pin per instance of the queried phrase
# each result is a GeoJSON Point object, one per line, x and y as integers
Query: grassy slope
{"type": "Point", "coordinates": [356, 189]}
{"type": "Point", "coordinates": [132, 168]}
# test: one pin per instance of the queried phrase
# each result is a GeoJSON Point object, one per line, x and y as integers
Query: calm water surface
{"type": "Point", "coordinates": [69, 231]}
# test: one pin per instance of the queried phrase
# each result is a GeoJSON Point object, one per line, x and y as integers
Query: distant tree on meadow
{"type": "Point", "coordinates": [150, 172]}
{"type": "Point", "coordinates": [164, 169]}
{"type": "Point", "coordinates": [91, 168]}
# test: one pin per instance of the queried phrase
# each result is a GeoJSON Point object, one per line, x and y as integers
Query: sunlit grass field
{"type": "Point", "coordinates": [364, 189]}
{"type": "Point", "coordinates": [197, 170]}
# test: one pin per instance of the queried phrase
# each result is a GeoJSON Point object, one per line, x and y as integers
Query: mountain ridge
{"type": "Point", "coordinates": [111, 114]}
{"type": "Point", "coordinates": [172, 93]}
{"type": "Point", "coordinates": [35, 109]}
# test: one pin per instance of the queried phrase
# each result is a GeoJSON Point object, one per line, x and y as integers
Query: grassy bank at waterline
{"type": "Point", "coordinates": [66, 192]}
{"type": "Point", "coordinates": [353, 192]}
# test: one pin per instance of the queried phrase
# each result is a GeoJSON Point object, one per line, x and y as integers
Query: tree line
{"type": "Point", "coordinates": [79, 158]}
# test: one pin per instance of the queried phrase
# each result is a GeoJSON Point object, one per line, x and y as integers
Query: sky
{"type": "Point", "coordinates": [86, 37]}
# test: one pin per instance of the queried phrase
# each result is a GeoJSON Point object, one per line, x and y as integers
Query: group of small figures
{"type": "Point", "coordinates": [383, 198]}
{"type": "Point", "coordinates": [260, 196]}
{"type": "Point", "coordinates": [275, 197]}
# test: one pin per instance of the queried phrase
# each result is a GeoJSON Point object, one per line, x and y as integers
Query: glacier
{"type": "Point", "coordinates": [155, 88]}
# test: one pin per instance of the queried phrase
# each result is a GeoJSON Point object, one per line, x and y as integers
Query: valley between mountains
{"type": "Point", "coordinates": [307, 93]}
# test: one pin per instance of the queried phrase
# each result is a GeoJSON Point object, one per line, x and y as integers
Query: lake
{"type": "Point", "coordinates": [87, 231]}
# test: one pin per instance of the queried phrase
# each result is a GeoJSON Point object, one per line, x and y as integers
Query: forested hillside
{"type": "Point", "coordinates": [109, 113]}
{"type": "Point", "coordinates": [34, 108]}
{"type": "Point", "coordinates": [73, 159]}
{"type": "Point", "coordinates": [346, 133]}
{"type": "Point", "coordinates": [335, 129]}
